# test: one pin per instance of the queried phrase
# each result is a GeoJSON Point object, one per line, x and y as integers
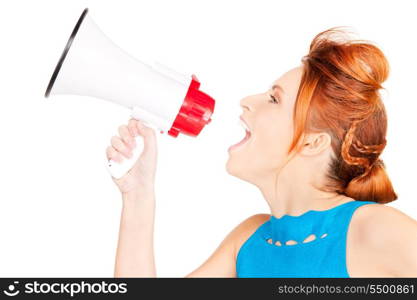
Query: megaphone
{"type": "Point", "coordinates": [92, 65]}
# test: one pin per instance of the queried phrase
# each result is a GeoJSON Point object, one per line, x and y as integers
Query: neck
{"type": "Point", "coordinates": [293, 193]}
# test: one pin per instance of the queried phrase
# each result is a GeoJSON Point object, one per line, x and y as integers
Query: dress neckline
{"type": "Point", "coordinates": [318, 222]}
{"type": "Point", "coordinates": [311, 211]}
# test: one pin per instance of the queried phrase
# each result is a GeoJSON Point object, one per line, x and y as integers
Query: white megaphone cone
{"type": "Point", "coordinates": [92, 65]}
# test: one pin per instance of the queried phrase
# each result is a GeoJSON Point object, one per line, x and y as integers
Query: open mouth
{"type": "Point", "coordinates": [245, 139]}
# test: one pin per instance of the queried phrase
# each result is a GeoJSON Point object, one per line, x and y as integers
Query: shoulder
{"type": "Point", "coordinates": [388, 235]}
{"type": "Point", "coordinates": [388, 222]}
{"type": "Point", "coordinates": [222, 263]}
{"type": "Point", "coordinates": [253, 221]}
{"type": "Point", "coordinates": [246, 228]}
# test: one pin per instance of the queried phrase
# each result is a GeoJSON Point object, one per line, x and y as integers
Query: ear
{"type": "Point", "coordinates": [316, 143]}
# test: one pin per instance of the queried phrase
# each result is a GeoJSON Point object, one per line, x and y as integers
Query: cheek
{"type": "Point", "coordinates": [271, 143]}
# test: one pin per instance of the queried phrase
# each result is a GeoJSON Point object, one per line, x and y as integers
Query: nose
{"type": "Point", "coordinates": [245, 104]}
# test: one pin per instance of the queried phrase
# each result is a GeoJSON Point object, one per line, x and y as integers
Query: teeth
{"type": "Point", "coordinates": [243, 124]}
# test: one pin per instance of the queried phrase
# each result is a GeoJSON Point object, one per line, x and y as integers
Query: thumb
{"type": "Point", "coordinates": [148, 135]}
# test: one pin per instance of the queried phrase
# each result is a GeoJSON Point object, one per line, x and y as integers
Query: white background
{"type": "Point", "coordinates": [59, 209]}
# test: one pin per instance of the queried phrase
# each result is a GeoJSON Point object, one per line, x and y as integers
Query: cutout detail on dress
{"type": "Point", "coordinates": [291, 242]}
{"type": "Point", "coordinates": [310, 238]}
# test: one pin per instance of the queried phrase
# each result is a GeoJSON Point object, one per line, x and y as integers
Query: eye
{"type": "Point", "coordinates": [273, 99]}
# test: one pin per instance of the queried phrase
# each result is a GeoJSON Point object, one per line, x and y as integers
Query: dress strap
{"type": "Point", "coordinates": [343, 219]}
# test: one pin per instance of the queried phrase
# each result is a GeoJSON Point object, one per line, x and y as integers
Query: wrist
{"type": "Point", "coordinates": [139, 194]}
{"type": "Point", "coordinates": [138, 209]}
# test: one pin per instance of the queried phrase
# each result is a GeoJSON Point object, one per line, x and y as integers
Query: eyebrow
{"type": "Point", "coordinates": [277, 86]}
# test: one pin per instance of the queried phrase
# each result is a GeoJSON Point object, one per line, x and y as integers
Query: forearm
{"type": "Point", "coordinates": [135, 253]}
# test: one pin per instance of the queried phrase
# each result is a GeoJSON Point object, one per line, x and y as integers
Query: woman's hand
{"type": "Point", "coordinates": [142, 175]}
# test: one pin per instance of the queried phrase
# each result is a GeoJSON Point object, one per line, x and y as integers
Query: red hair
{"type": "Point", "coordinates": [339, 94]}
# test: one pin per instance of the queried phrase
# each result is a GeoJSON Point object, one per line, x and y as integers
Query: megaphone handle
{"type": "Point", "coordinates": [116, 169]}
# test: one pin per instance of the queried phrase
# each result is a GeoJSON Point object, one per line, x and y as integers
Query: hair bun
{"type": "Point", "coordinates": [359, 59]}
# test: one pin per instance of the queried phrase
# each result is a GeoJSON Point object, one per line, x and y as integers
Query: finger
{"type": "Point", "coordinates": [132, 125]}
{"type": "Point", "coordinates": [126, 136]}
{"type": "Point", "coordinates": [120, 146]}
{"type": "Point", "coordinates": [112, 154]}
{"type": "Point", "coordinates": [144, 130]}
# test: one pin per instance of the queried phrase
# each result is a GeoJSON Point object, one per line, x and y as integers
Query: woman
{"type": "Point", "coordinates": [314, 140]}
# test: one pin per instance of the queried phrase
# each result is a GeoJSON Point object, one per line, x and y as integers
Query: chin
{"type": "Point", "coordinates": [232, 168]}
{"type": "Point", "coordinates": [235, 169]}
{"type": "Point", "coordinates": [229, 167]}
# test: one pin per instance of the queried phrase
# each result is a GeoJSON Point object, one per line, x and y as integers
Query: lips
{"type": "Point", "coordinates": [244, 124]}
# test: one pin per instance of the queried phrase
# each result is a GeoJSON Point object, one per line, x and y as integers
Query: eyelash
{"type": "Point", "coordinates": [273, 99]}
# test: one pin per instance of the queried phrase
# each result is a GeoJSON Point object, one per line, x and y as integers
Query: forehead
{"type": "Point", "coordinates": [289, 82]}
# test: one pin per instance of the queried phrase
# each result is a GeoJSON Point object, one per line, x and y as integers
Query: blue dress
{"type": "Point", "coordinates": [325, 256]}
